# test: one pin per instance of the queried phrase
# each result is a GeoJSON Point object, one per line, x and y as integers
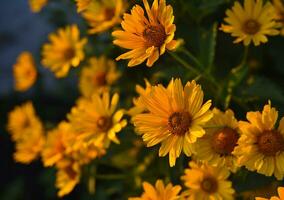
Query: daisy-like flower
{"type": "Point", "coordinates": [220, 140]}
{"type": "Point", "coordinates": [64, 50]}
{"type": "Point", "coordinates": [261, 145]}
{"type": "Point", "coordinates": [174, 118]}
{"type": "Point", "coordinates": [101, 15]}
{"type": "Point", "coordinates": [279, 8]}
{"type": "Point", "coordinates": [251, 23]}
{"type": "Point", "coordinates": [207, 183]}
{"type": "Point", "coordinates": [146, 37]}
{"type": "Point", "coordinates": [159, 192]}
{"type": "Point", "coordinates": [26, 131]}
{"type": "Point", "coordinates": [98, 76]}
{"type": "Point", "coordinates": [37, 5]}
{"type": "Point", "coordinates": [96, 119]}
{"type": "Point", "coordinates": [24, 72]}
{"type": "Point", "coordinates": [280, 193]}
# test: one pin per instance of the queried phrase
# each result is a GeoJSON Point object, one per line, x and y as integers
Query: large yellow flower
{"type": "Point", "coordinates": [96, 119]}
{"type": "Point", "coordinates": [98, 76]}
{"type": "Point", "coordinates": [279, 8]}
{"type": "Point", "coordinates": [64, 50]}
{"type": "Point", "coordinates": [261, 145]}
{"type": "Point", "coordinates": [207, 183]}
{"type": "Point", "coordinates": [174, 118]}
{"type": "Point", "coordinates": [280, 193]}
{"type": "Point", "coordinates": [27, 132]}
{"type": "Point", "coordinates": [159, 192]}
{"type": "Point", "coordinates": [147, 38]}
{"type": "Point", "coordinates": [24, 72]}
{"type": "Point", "coordinates": [251, 23]}
{"type": "Point", "coordinates": [221, 137]}
{"type": "Point", "coordinates": [37, 5]}
{"type": "Point", "coordinates": [101, 15]}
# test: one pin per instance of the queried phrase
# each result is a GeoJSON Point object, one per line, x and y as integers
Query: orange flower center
{"type": "Point", "coordinates": [100, 79]}
{"type": "Point", "coordinates": [270, 142]}
{"type": "Point", "coordinates": [68, 53]}
{"type": "Point", "coordinates": [109, 13]}
{"type": "Point", "coordinates": [104, 123]}
{"type": "Point", "coordinates": [179, 123]}
{"type": "Point", "coordinates": [155, 35]}
{"type": "Point", "coordinates": [251, 27]}
{"type": "Point", "coordinates": [209, 184]}
{"type": "Point", "coordinates": [224, 141]}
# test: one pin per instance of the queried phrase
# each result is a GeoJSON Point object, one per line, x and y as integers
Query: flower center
{"type": "Point", "coordinates": [224, 141]}
{"type": "Point", "coordinates": [270, 142]}
{"type": "Point", "coordinates": [100, 79]}
{"type": "Point", "coordinates": [155, 35]}
{"type": "Point", "coordinates": [104, 123]}
{"type": "Point", "coordinates": [209, 184]}
{"type": "Point", "coordinates": [70, 172]}
{"type": "Point", "coordinates": [109, 13]}
{"type": "Point", "coordinates": [251, 27]}
{"type": "Point", "coordinates": [68, 53]}
{"type": "Point", "coordinates": [179, 123]}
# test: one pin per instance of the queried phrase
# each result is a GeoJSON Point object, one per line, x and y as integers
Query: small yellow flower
{"type": "Point", "coordinates": [174, 118]}
{"type": "Point", "coordinates": [251, 23]}
{"type": "Point", "coordinates": [261, 145]}
{"type": "Point", "coordinates": [64, 50]}
{"type": "Point", "coordinates": [221, 137]}
{"type": "Point", "coordinates": [146, 37]}
{"type": "Point", "coordinates": [26, 131]}
{"type": "Point", "coordinates": [96, 119]}
{"type": "Point", "coordinates": [159, 192]}
{"type": "Point", "coordinates": [101, 15]}
{"type": "Point", "coordinates": [98, 76]}
{"type": "Point", "coordinates": [279, 8]}
{"type": "Point", "coordinates": [207, 182]}
{"type": "Point", "coordinates": [24, 72]}
{"type": "Point", "coordinates": [280, 193]}
{"type": "Point", "coordinates": [37, 5]}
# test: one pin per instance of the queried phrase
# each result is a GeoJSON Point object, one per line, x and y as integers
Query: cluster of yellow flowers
{"type": "Point", "coordinates": [175, 116]}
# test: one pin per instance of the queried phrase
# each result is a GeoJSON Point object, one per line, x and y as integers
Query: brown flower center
{"type": "Point", "coordinates": [270, 142]}
{"type": "Point", "coordinates": [251, 27]}
{"type": "Point", "coordinates": [70, 172]}
{"type": "Point", "coordinates": [224, 141]}
{"type": "Point", "coordinates": [155, 35]}
{"type": "Point", "coordinates": [100, 79]}
{"type": "Point", "coordinates": [68, 53]}
{"type": "Point", "coordinates": [109, 13]}
{"type": "Point", "coordinates": [179, 123]}
{"type": "Point", "coordinates": [209, 185]}
{"type": "Point", "coordinates": [104, 123]}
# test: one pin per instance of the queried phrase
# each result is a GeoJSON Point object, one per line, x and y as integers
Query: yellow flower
{"type": "Point", "coordinates": [221, 137]}
{"type": "Point", "coordinates": [64, 50]}
{"type": "Point", "coordinates": [101, 15]}
{"type": "Point", "coordinates": [27, 132]}
{"type": "Point", "coordinates": [279, 8]}
{"type": "Point", "coordinates": [98, 75]}
{"type": "Point", "coordinates": [37, 5]}
{"type": "Point", "coordinates": [24, 72]}
{"type": "Point", "coordinates": [207, 183]}
{"type": "Point", "coordinates": [96, 119]}
{"type": "Point", "coordinates": [251, 23]}
{"type": "Point", "coordinates": [261, 146]}
{"type": "Point", "coordinates": [159, 192]}
{"type": "Point", "coordinates": [147, 38]}
{"type": "Point", "coordinates": [175, 118]}
{"type": "Point", "coordinates": [280, 193]}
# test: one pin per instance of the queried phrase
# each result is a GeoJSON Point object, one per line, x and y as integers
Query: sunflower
{"type": "Point", "coordinates": [159, 192]}
{"type": "Point", "coordinates": [174, 118]}
{"type": "Point", "coordinates": [148, 38]}
{"type": "Point", "coordinates": [101, 15]}
{"type": "Point", "coordinates": [279, 8]}
{"type": "Point", "coordinates": [207, 183]}
{"type": "Point", "coordinates": [251, 23]}
{"type": "Point", "coordinates": [26, 131]}
{"type": "Point", "coordinates": [98, 76]}
{"type": "Point", "coordinates": [221, 137]}
{"type": "Point", "coordinates": [280, 193]}
{"type": "Point", "coordinates": [96, 119]}
{"type": "Point", "coordinates": [64, 50]}
{"type": "Point", "coordinates": [261, 145]}
{"type": "Point", "coordinates": [24, 72]}
{"type": "Point", "coordinates": [37, 5]}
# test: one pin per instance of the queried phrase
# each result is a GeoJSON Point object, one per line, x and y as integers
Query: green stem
{"type": "Point", "coordinates": [192, 57]}
{"type": "Point", "coordinates": [110, 176]}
